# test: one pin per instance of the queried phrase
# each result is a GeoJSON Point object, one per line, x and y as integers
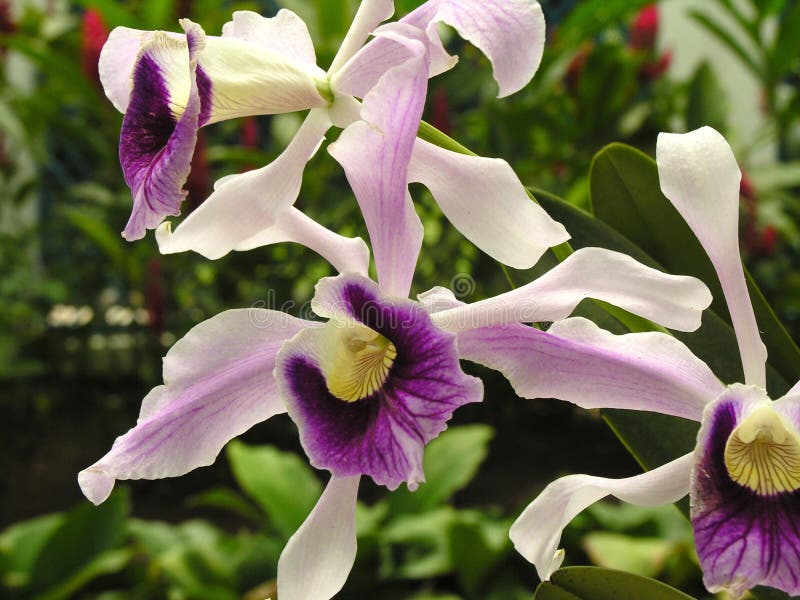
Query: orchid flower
{"type": "Point", "coordinates": [368, 388]}
{"type": "Point", "coordinates": [168, 85]}
{"type": "Point", "coordinates": [743, 476]}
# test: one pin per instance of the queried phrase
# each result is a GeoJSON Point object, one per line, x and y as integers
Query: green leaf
{"type": "Point", "coordinates": [86, 533]}
{"type": "Point", "coordinates": [595, 583]}
{"type": "Point", "coordinates": [107, 563]}
{"type": "Point", "coordinates": [593, 16]}
{"type": "Point", "coordinates": [729, 40]}
{"type": "Point", "coordinates": [645, 556]}
{"type": "Point", "coordinates": [21, 544]}
{"type": "Point", "coordinates": [281, 483]}
{"type": "Point", "coordinates": [706, 102]}
{"type": "Point", "coordinates": [450, 463]}
{"type": "Point", "coordinates": [477, 544]}
{"type": "Point", "coordinates": [784, 54]}
{"type": "Point", "coordinates": [625, 193]}
{"type": "Point", "coordinates": [421, 543]}
{"type": "Point", "coordinates": [227, 499]}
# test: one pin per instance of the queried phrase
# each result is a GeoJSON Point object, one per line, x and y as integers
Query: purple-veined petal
{"type": "Point", "coordinates": [509, 32]}
{"type": "Point", "coordinates": [244, 205]}
{"type": "Point", "coordinates": [674, 301]}
{"type": "Point", "coordinates": [745, 518]}
{"type": "Point", "coordinates": [699, 175]}
{"type": "Point", "coordinates": [369, 15]}
{"type": "Point", "coordinates": [383, 434]}
{"type": "Point", "coordinates": [285, 34]}
{"type": "Point", "coordinates": [485, 200]}
{"type": "Point", "coordinates": [317, 559]}
{"type": "Point", "coordinates": [218, 383]}
{"type": "Point", "coordinates": [159, 130]}
{"type": "Point", "coordinates": [579, 362]}
{"type": "Point", "coordinates": [537, 532]}
{"type": "Point", "coordinates": [375, 153]}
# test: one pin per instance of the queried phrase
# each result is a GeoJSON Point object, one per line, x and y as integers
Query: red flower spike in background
{"type": "Point", "coordinates": [644, 29]}
{"type": "Point", "coordinates": [93, 35]}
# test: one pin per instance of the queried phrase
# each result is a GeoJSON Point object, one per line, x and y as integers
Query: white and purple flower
{"type": "Point", "coordinates": [368, 388]}
{"type": "Point", "coordinates": [170, 84]}
{"type": "Point", "coordinates": [744, 474]}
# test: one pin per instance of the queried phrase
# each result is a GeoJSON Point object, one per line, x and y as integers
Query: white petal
{"type": "Point", "coordinates": [510, 33]}
{"type": "Point", "coordinates": [699, 175]}
{"type": "Point", "coordinates": [317, 559]}
{"type": "Point", "coordinates": [670, 300]}
{"type": "Point", "coordinates": [346, 255]}
{"type": "Point", "coordinates": [485, 200]}
{"type": "Point", "coordinates": [285, 34]}
{"type": "Point", "coordinates": [117, 61]}
{"type": "Point", "coordinates": [578, 362]}
{"type": "Point", "coordinates": [218, 383]}
{"type": "Point", "coordinates": [246, 79]}
{"type": "Point", "coordinates": [369, 15]}
{"type": "Point", "coordinates": [537, 532]}
{"type": "Point", "coordinates": [242, 206]}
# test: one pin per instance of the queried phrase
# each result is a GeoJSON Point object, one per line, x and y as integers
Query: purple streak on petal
{"type": "Point", "coordinates": [375, 153]}
{"type": "Point", "coordinates": [578, 362]}
{"type": "Point", "coordinates": [383, 435]}
{"type": "Point", "coordinates": [205, 89]}
{"type": "Point", "coordinates": [743, 539]}
{"type": "Point", "coordinates": [156, 148]}
{"type": "Point", "coordinates": [218, 384]}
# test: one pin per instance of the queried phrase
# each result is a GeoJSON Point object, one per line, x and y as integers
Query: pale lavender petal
{"type": "Point", "coordinates": [317, 559]}
{"type": "Point", "coordinates": [578, 362]}
{"type": "Point", "coordinates": [671, 300]}
{"type": "Point", "coordinates": [699, 175]}
{"type": "Point", "coordinates": [244, 205]}
{"type": "Point", "coordinates": [285, 34]}
{"type": "Point", "coordinates": [374, 153]}
{"type": "Point", "coordinates": [510, 33]}
{"type": "Point", "coordinates": [537, 532]}
{"type": "Point", "coordinates": [485, 200]}
{"type": "Point", "coordinates": [382, 435]}
{"type": "Point", "coordinates": [743, 538]}
{"type": "Point", "coordinates": [369, 15]}
{"type": "Point", "coordinates": [218, 383]}
{"type": "Point", "coordinates": [156, 144]}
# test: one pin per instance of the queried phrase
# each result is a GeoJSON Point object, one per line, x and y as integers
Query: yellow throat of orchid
{"type": "Point", "coordinates": [763, 453]}
{"type": "Point", "coordinates": [356, 360]}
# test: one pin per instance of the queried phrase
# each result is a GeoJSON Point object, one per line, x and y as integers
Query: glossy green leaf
{"type": "Point", "coordinates": [645, 556]}
{"type": "Point", "coordinates": [421, 543]}
{"type": "Point", "coordinates": [226, 499]}
{"type": "Point", "coordinates": [595, 583]}
{"type": "Point", "coordinates": [450, 463]}
{"type": "Point", "coordinates": [625, 193]}
{"type": "Point", "coordinates": [106, 563]}
{"type": "Point", "coordinates": [281, 483]}
{"type": "Point", "coordinates": [20, 545]}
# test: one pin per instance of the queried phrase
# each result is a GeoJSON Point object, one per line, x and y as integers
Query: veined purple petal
{"type": "Point", "coordinates": [383, 434]}
{"type": "Point", "coordinates": [156, 145]}
{"type": "Point", "coordinates": [375, 153]}
{"type": "Point", "coordinates": [745, 537]}
{"type": "Point", "coordinates": [218, 383]}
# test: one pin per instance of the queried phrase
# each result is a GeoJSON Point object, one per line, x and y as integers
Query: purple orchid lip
{"type": "Point", "coordinates": [156, 146]}
{"type": "Point", "coordinates": [383, 433]}
{"type": "Point", "coordinates": [745, 495]}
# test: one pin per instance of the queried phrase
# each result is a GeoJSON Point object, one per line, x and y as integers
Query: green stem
{"type": "Point", "coordinates": [634, 323]}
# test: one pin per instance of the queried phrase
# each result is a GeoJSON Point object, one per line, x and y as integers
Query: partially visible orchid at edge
{"type": "Point", "coordinates": [169, 84]}
{"type": "Point", "coordinates": [744, 475]}
{"type": "Point", "coordinates": [380, 378]}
